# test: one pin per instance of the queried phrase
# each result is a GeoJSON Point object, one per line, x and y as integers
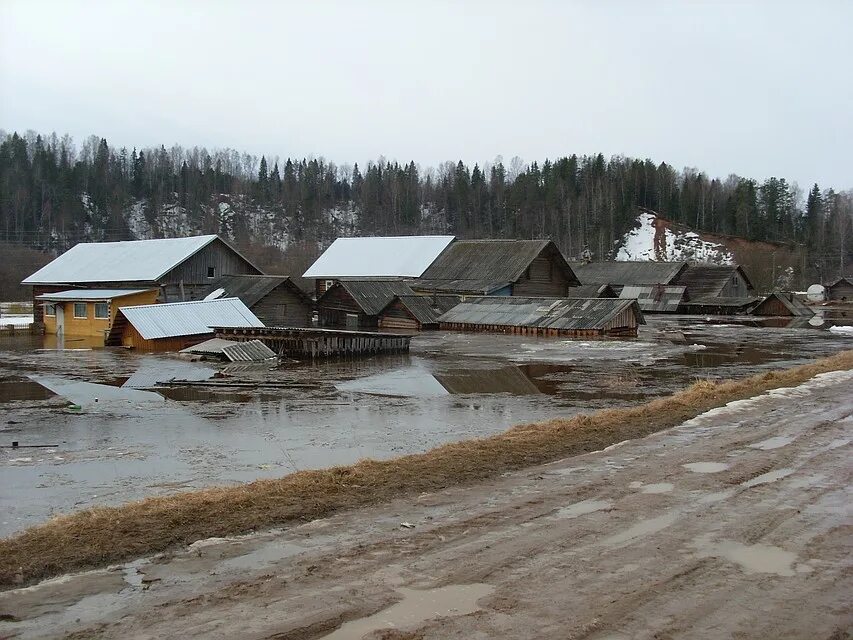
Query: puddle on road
{"type": "Point", "coordinates": [582, 508]}
{"type": "Point", "coordinates": [659, 487]}
{"type": "Point", "coordinates": [765, 478]}
{"type": "Point", "coordinates": [642, 528]}
{"type": "Point", "coordinates": [706, 467]}
{"type": "Point", "coordinates": [416, 607]}
{"type": "Point", "coordinates": [773, 443]}
{"type": "Point", "coordinates": [751, 558]}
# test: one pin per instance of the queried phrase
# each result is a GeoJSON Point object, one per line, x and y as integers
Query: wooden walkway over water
{"type": "Point", "coordinates": [295, 342]}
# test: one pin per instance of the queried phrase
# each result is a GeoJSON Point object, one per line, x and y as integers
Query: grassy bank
{"type": "Point", "coordinates": [100, 536]}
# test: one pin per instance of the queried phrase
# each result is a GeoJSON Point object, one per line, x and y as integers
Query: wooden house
{"type": "Point", "coordinates": [88, 312]}
{"type": "Point", "coordinates": [416, 312]}
{"type": "Point", "coordinates": [781, 303]}
{"type": "Point", "coordinates": [177, 325]}
{"type": "Point", "coordinates": [499, 268]}
{"type": "Point", "coordinates": [276, 300]}
{"type": "Point", "coordinates": [841, 290]}
{"type": "Point", "coordinates": [621, 274]}
{"type": "Point", "coordinates": [357, 304]}
{"type": "Point", "coordinates": [382, 258]}
{"type": "Point", "coordinates": [705, 281]}
{"type": "Point", "coordinates": [581, 318]}
{"type": "Point", "coordinates": [179, 269]}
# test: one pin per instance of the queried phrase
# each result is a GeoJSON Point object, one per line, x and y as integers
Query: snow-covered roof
{"type": "Point", "coordinates": [188, 318]}
{"type": "Point", "coordinates": [400, 256]}
{"type": "Point", "coordinates": [89, 294]}
{"type": "Point", "coordinates": [129, 261]}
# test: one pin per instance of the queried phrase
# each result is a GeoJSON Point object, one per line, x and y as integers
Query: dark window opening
{"type": "Point", "coordinates": [211, 272]}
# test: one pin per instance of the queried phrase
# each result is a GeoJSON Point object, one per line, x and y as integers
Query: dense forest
{"type": "Point", "coordinates": [54, 193]}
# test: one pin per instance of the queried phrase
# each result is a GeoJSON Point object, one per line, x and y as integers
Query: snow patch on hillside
{"type": "Point", "coordinates": [654, 241]}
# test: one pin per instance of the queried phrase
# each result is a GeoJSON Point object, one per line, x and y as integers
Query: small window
{"type": "Point", "coordinates": [329, 284]}
{"type": "Point", "coordinates": [80, 310]}
{"type": "Point", "coordinates": [102, 310]}
{"type": "Point", "coordinates": [211, 272]}
{"type": "Point", "coordinates": [50, 309]}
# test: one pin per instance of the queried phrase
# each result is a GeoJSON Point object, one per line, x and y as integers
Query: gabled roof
{"type": "Point", "coordinates": [372, 296]}
{"type": "Point", "coordinates": [549, 313]}
{"type": "Point", "coordinates": [709, 280]}
{"type": "Point", "coordinates": [839, 281]}
{"type": "Point", "coordinates": [188, 318]}
{"type": "Point", "coordinates": [127, 261]}
{"type": "Point", "coordinates": [491, 261]}
{"type": "Point", "coordinates": [653, 298]}
{"type": "Point", "coordinates": [426, 309]}
{"type": "Point", "coordinates": [626, 273]}
{"type": "Point", "coordinates": [474, 287]}
{"type": "Point", "coordinates": [89, 295]}
{"type": "Point", "coordinates": [384, 257]}
{"type": "Point", "coordinates": [794, 306]}
{"type": "Point", "coordinates": [252, 289]}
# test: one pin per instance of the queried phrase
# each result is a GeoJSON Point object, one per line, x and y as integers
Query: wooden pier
{"type": "Point", "coordinates": [294, 342]}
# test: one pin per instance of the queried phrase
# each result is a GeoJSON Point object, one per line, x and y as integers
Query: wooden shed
{"type": "Point", "coordinates": [841, 290]}
{"type": "Point", "coordinates": [500, 268]}
{"type": "Point", "coordinates": [704, 281]}
{"type": "Point", "coordinates": [178, 325]}
{"type": "Point", "coordinates": [416, 312]}
{"type": "Point", "coordinates": [781, 303]}
{"type": "Point", "coordinates": [179, 268]}
{"type": "Point", "coordinates": [277, 301]}
{"type": "Point", "coordinates": [356, 304]}
{"type": "Point", "coordinates": [582, 318]}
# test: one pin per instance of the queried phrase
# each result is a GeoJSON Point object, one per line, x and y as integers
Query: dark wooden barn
{"type": "Point", "coordinates": [356, 304]}
{"type": "Point", "coordinates": [841, 290]}
{"type": "Point", "coordinates": [181, 269]}
{"type": "Point", "coordinates": [781, 303]}
{"type": "Point", "coordinates": [500, 268]}
{"type": "Point", "coordinates": [417, 312]}
{"type": "Point", "coordinates": [276, 300]}
{"type": "Point", "coordinates": [620, 274]}
{"type": "Point", "coordinates": [704, 281]}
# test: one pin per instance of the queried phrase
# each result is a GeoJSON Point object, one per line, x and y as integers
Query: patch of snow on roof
{"type": "Point", "coordinates": [400, 256]}
{"type": "Point", "coordinates": [649, 242]}
{"type": "Point", "coordinates": [130, 261]}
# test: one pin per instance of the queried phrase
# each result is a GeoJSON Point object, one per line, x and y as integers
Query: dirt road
{"type": "Point", "coordinates": [736, 524]}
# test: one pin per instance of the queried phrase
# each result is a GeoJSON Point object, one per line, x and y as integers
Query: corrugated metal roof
{"type": "Point", "coordinates": [655, 298]}
{"type": "Point", "coordinates": [708, 280]}
{"type": "Point", "coordinates": [492, 261]}
{"type": "Point", "coordinates": [213, 346]}
{"type": "Point", "coordinates": [400, 256]}
{"type": "Point", "coordinates": [135, 260]}
{"type": "Point", "coordinates": [249, 351]}
{"type": "Point", "coordinates": [188, 318]}
{"type": "Point", "coordinates": [728, 302]}
{"type": "Point", "coordinates": [89, 294]}
{"type": "Point", "coordinates": [252, 289]}
{"type": "Point", "coordinates": [372, 296]}
{"type": "Point", "coordinates": [539, 312]}
{"type": "Point", "coordinates": [427, 309]}
{"type": "Point", "coordinates": [625, 273]}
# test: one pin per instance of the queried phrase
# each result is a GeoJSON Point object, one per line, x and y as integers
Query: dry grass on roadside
{"type": "Point", "coordinates": [99, 536]}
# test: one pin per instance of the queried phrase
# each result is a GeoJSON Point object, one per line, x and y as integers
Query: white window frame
{"type": "Point", "coordinates": [105, 317]}
{"type": "Point", "coordinates": [50, 310]}
{"type": "Point", "coordinates": [85, 312]}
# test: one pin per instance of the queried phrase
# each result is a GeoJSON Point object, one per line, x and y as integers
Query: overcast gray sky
{"type": "Point", "coordinates": [755, 88]}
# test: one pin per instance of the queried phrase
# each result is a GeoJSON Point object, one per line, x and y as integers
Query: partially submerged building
{"type": "Point", "coordinates": [656, 298]}
{"type": "Point", "coordinates": [841, 290]}
{"type": "Point", "coordinates": [277, 301]}
{"type": "Point", "coordinates": [416, 312]}
{"type": "Point", "coordinates": [357, 304]}
{"type": "Point", "coordinates": [499, 268]}
{"type": "Point", "coordinates": [621, 274]}
{"type": "Point", "coordinates": [706, 281]}
{"type": "Point", "coordinates": [380, 258]}
{"type": "Point", "coordinates": [781, 303]}
{"type": "Point", "coordinates": [87, 312]}
{"type": "Point", "coordinates": [178, 268]}
{"type": "Point", "coordinates": [177, 325]}
{"type": "Point", "coordinates": [546, 317]}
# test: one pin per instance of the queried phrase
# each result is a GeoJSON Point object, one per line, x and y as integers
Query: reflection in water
{"type": "Point", "coordinates": [21, 390]}
{"type": "Point", "coordinates": [88, 394]}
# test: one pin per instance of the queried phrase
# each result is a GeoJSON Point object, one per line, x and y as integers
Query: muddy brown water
{"type": "Point", "coordinates": [120, 434]}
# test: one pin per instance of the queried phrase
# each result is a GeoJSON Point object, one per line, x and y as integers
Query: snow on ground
{"type": "Point", "coordinates": [16, 320]}
{"type": "Point", "coordinates": [651, 242]}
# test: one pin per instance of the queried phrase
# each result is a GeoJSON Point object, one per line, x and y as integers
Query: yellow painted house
{"type": "Point", "coordinates": [88, 312]}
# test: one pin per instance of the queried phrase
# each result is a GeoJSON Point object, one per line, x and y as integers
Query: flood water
{"type": "Point", "coordinates": [119, 430]}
